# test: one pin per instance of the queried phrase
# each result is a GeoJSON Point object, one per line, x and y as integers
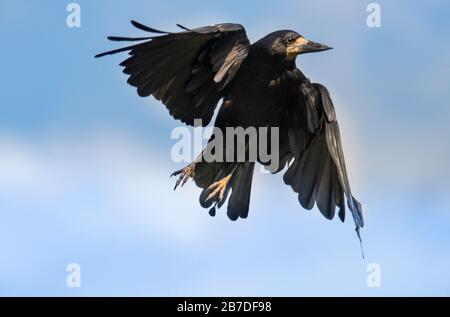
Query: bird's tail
{"type": "Point", "coordinates": [218, 179]}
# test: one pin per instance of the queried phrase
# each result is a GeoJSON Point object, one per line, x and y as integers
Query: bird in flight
{"type": "Point", "coordinates": [260, 86]}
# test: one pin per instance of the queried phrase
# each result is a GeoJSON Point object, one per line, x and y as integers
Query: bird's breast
{"type": "Point", "coordinates": [260, 99]}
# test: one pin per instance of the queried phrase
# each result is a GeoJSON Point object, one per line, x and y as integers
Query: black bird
{"type": "Point", "coordinates": [190, 71]}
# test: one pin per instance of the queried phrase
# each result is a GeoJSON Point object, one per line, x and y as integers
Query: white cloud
{"type": "Point", "coordinates": [110, 174]}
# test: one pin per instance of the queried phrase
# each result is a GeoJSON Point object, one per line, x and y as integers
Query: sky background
{"type": "Point", "coordinates": [85, 162]}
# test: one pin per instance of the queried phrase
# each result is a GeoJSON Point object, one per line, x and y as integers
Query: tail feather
{"type": "Point", "coordinates": [239, 201]}
{"type": "Point", "coordinates": [218, 180]}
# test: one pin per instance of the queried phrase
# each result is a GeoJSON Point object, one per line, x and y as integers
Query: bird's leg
{"type": "Point", "coordinates": [218, 191]}
{"type": "Point", "coordinates": [186, 173]}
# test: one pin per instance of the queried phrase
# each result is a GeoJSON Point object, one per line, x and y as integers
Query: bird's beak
{"type": "Point", "coordinates": [303, 46]}
{"type": "Point", "coordinates": [310, 47]}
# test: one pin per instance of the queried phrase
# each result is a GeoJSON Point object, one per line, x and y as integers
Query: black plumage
{"type": "Point", "coordinates": [192, 70]}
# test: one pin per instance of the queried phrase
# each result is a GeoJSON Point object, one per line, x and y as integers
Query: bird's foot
{"type": "Point", "coordinates": [219, 189]}
{"type": "Point", "coordinates": [185, 173]}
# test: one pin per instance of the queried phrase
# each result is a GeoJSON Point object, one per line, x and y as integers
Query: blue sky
{"type": "Point", "coordinates": [85, 162]}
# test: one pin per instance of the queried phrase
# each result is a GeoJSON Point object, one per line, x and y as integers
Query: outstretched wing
{"type": "Point", "coordinates": [188, 70]}
{"type": "Point", "coordinates": [318, 173]}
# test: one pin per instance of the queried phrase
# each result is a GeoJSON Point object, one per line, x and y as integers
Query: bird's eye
{"type": "Point", "coordinates": [290, 40]}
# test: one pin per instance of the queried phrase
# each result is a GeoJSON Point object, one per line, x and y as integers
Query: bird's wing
{"type": "Point", "coordinates": [318, 173]}
{"type": "Point", "coordinates": [188, 70]}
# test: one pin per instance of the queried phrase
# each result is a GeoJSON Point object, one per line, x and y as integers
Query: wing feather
{"type": "Point", "coordinates": [318, 173]}
{"type": "Point", "coordinates": [188, 70]}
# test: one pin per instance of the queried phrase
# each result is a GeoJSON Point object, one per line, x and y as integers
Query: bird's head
{"type": "Point", "coordinates": [288, 45]}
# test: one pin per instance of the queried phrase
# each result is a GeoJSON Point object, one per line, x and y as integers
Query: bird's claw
{"type": "Point", "coordinates": [185, 174]}
{"type": "Point", "coordinates": [219, 188]}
